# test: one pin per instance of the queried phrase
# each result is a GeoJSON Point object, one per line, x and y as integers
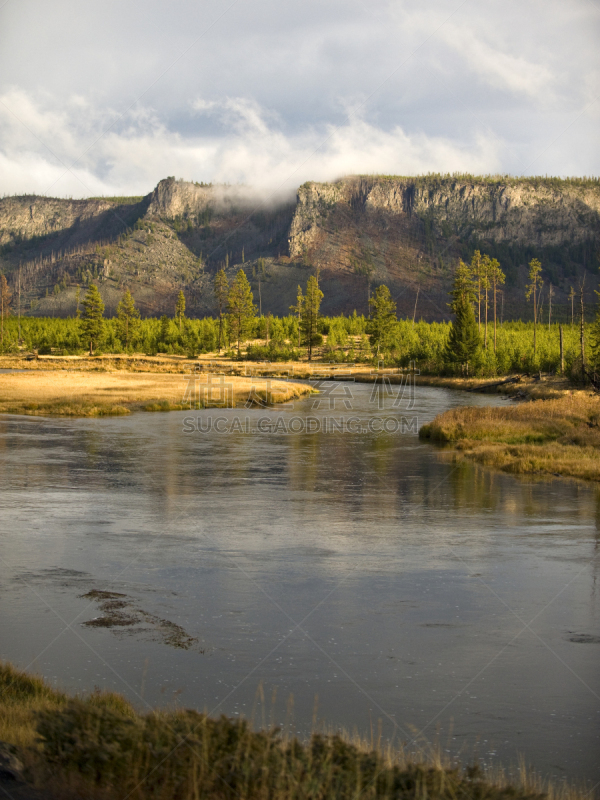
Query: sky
{"type": "Point", "coordinates": [109, 97]}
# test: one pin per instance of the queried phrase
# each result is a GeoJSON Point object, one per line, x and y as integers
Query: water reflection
{"type": "Point", "coordinates": [365, 568]}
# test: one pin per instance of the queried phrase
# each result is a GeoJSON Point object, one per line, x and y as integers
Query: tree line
{"type": "Point", "coordinates": [473, 344]}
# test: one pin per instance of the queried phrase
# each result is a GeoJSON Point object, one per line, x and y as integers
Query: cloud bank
{"type": "Point", "coordinates": [38, 143]}
{"type": "Point", "coordinates": [109, 97]}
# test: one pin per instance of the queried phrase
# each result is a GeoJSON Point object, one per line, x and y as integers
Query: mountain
{"type": "Point", "coordinates": [357, 232]}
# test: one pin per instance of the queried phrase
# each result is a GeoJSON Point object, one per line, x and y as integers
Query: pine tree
{"type": "Point", "coordinates": [383, 316]}
{"type": "Point", "coordinates": [595, 340]}
{"type": "Point", "coordinates": [180, 309]}
{"type": "Point", "coordinates": [478, 274]}
{"type": "Point", "coordinates": [497, 278]}
{"type": "Point", "coordinates": [221, 290]}
{"type": "Point", "coordinates": [165, 325]}
{"type": "Point", "coordinates": [464, 340]}
{"type": "Point", "coordinates": [310, 320]}
{"type": "Point", "coordinates": [5, 299]}
{"type": "Point", "coordinates": [241, 308]}
{"type": "Point", "coordinates": [535, 268]}
{"type": "Point", "coordinates": [128, 319]}
{"type": "Point", "coordinates": [297, 309]}
{"type": "Point", "coordinates": [92, 321]}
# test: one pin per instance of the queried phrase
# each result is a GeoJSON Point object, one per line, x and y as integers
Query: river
{"type": "Point", "coordinates": [308, 573]}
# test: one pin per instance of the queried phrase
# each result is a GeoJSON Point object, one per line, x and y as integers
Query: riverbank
{"type": "Point", "coordinates": [240, 377]}
{"type": "Point", "coordinates": [558, 436]}
{"type": "Point", "coordinates": [80, 393]}
{"type": "Point", "coordinates": [99, 746]}
{"type": "Point", "coordinates": [519, 385]}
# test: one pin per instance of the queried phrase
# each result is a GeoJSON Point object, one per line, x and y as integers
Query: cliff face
{"type": "Point", "coordinates": [29, 216]}
{"type": "Point", "coordinates": [514, 213]}
{"type": "Point", "coordinates": [359, 231]}
{"type": "Point", "coordinates": [173, 199]}
{"type": "Point", "coordinates": [60, 224]}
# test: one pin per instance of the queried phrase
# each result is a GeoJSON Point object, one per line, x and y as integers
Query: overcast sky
{"type": "Point", "coordinates": [110, 96]}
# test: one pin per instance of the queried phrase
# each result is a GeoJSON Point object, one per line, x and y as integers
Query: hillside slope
{"type": "Point", "coordinates": [358, 232]}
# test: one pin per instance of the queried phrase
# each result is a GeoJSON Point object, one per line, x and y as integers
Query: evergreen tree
{"type": "Point", "coordinates": [241, 308]}
{"type": "Point", "coordinates": [128, 318]}
{"type": "Point", "coordinates": [535, 268]}
{"type": "Point", "coordinates": [165, 324]}
{"type": "Point", "coordinates": [487, 269]}
{"type": "Point", "coordinates": [180, 309]}
{"type": "Point", "coordinates": [297, 309]}
{"type": "Point", "coordinates": [92, 321]}
{"type": "Point", "coordinates": [221, 290]}
{"type": "Point", "coordinates": [478, 273]}
{"type": "Point", "coordinates": [464, 340]}
{"type": "Point", "coordinates": [383, 316]}
{"type": "Point", "coordinates": [310, 319]}
{"type": "Point", "coordinates": [595, 340]}
{"type": "Point", "coordinates": [5, 300]}
{"type": "Point", "coordinates": [497, 278]}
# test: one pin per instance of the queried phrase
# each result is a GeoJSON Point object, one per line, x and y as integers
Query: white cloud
{"type": "Point", "coordinates": [499, 68]}
{"type": "Point", "coordinates": [434, 86]}
{"type": "Point", "coordinates": [38, 143]}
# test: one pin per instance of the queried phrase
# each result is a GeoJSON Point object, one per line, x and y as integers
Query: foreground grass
{"type": "Point", "coordinates": [77, 393]}
{"type": "Point", "coordinates": [99, 747]}
{"type": "Point", "coordinates": [559, 436]}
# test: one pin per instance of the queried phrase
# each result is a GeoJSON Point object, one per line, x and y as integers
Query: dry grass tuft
{"type": "Point", "coordinates": [558, 436]}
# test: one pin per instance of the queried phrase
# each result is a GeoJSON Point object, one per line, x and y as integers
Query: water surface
{"type": "Point", "coordinates": [352, 578]}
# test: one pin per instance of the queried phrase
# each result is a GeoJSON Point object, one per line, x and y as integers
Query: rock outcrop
{"type": "Point", "coordinates": [173, 198]}
{"type": "Point", "coordinates": [522, 212]}
{"type": "Point", "coordinates": [23, 218]}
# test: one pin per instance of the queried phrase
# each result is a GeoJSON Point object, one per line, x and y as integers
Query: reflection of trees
{"type": "Point", "coordinates": [366, 478]}
{"type": "Point", "coordinates": [596, 558]}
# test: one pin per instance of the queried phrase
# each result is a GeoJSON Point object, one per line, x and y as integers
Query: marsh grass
{"type": "Point", "coordinates": [77, 393]}
{"type": "Point", "coordinates": [557, 436]}
{"type": "Point", "coordinates": [99, 747]}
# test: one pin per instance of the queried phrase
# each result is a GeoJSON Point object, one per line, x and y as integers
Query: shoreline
{"type": "Point", "coordinates": [57, 745]}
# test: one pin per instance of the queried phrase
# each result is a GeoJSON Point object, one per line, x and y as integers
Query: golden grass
{"type": "Point", "coordinates": [98, 746]}
{"type": "Point", "coordinates": [88, 394]}
{"type": "Point", "coordinates": [302, 370]}
{"type": "Point", "coordinates": [558, 436]}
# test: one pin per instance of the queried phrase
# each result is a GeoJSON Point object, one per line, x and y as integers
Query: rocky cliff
{"type": "Point", "coordinates": [516, 212]}
{"type": "Point", "coordinates": [409, 232]}
{"type": "Point", "coordinates": [23, 218]}
{"type": "Point", "coordinates": [31, 219]}
{"type": "Point", "coordinates": [172, 199]}
{"type": "Point", "coordinates": [358, 231]}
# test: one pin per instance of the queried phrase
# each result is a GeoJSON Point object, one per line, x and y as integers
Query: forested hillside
{"type": "Point", "coordinates": [358, 232]}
